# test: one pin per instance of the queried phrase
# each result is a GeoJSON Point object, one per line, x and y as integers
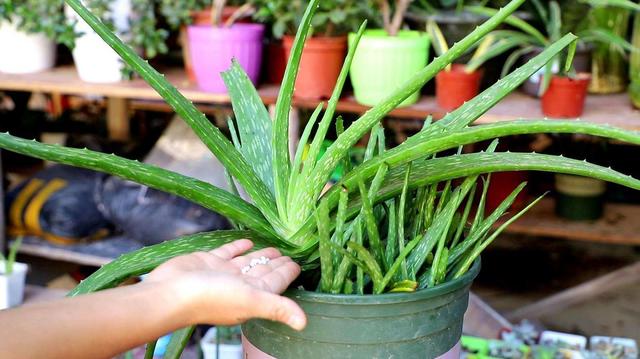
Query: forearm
{"type": "Point", "coordinates": [99, 325]}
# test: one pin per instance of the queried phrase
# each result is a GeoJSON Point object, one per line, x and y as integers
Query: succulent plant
{"type": "Point", "coordinates": [288, 208]}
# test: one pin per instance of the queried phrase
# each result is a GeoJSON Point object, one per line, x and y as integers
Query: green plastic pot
{"type": "Point", "coordinates": [579, 198]}
{"type": "Point", "coordinates": [383, 63]}
{"type": "Point", "coordinates": [423, 324]}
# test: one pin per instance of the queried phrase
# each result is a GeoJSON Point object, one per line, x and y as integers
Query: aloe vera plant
{"type": "Point", "coordinates": [366, 220]}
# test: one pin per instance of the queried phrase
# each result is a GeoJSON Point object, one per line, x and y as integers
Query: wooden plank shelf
{"type": "Point", "coordinates": [618, 225]}
{"type": "Point", "coordinates": [609, 109]}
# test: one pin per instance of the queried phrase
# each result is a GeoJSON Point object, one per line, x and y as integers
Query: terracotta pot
{"type": "Point", "coordinates": [275, 62]}
{"type": "Point", "coordinates": [202, 17]}
{"type": "Point", "coordinates": [565, 96]}
{"type": "Point", "coordinates": [455, 87]}
{"type": "Point", "coordinates": [501, 186]}
{"type": "Point", "coordinates": [322, 60]}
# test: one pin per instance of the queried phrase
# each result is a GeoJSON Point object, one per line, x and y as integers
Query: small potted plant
{"type": "Point", "coordinates": [565, 94]}
{"type": "Point", "coordinates": [222, 343]}
{"type": "Point", "coordinates": [182, 13]}
{"type": "Point", "coordinates": [132, 20]}
{"type": "Point", "coordinates": [212, 46]}
{"type": "Point", "coordinates": [29, 31]}
{"type": "Point", "coordinates": [634, 64]}
{"type": "Point", "coordinates": [400, 52]}
{"type": "Point", "coordinates": [12, 277]}
{"type": "Point", "coordinates": [459, 83]}
{"type": "Point", "coordinates": [325, 49]}
{"type": "Point", "coordinates": [528, 41]}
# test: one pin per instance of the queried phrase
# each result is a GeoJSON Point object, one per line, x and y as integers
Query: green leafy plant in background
{"type": "Point", "coordinates": [525, 38]}
{"type": "Point", "coordinates": [634, 64]}
{"type": "Point", "coordinates": [10, 259]}
{"type": "Point", "coordinates": [481, 55]}
{"type": "Point", "coordinates": [332, 18]}
{"type": "Point", "coordinates": [288, 208]}
{"type": "Point", "coordinates": [179, 12]}
{"type": "Point", "coordinates": [39, 16]}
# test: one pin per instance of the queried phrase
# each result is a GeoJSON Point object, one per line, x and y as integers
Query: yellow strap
{"type": "Point", "coordinates": [17, 207]}
{"type": "Point", "coordinates": [32, 213]}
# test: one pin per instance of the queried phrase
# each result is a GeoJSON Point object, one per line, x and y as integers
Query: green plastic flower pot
{"type": "Point", "coordinates": [422, 324]}
{"type": "Point", "coordinates": [383, 63]}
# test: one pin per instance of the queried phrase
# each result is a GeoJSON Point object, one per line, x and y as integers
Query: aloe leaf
{"type": "Point", "coordinates": [370, 223]}
{"type": "Point", "coordinates": [468, 261]}
{"type": "Point", "coordinates": [281, 163]}
{"type": "Point", "coordinates": [368, 263]}
{"type": "Point", "coordinates": [479, 217]}
{"type": "Point", "coordinates": [513, 21]}
{"type": "Point", "coordinates": [341, 146]}
{"type": "Point", "coordinates": [496, 49]}
{"type": "Point", "coordinates": [150, 349]}
{"type": "Point", "coordinates": [392, 233]}
{"type": "Point", "coordinates": [463, 219]}
{"type": "Point", "coordinates": [442, 169]}
{"type": "Point", "coordinates": [325, 123]}
{"type": "Point", "coordinates": [555, 21]}
{"type": "Point", "coordinates": [512, 58]}
{"type": "Point", "coordinates": [402, 205]}
{"type": "Point", "coordinates": [210, 135]}
{"type": "Point", "coordinates": [485, 225]}
{"type": "Point", "coordinates": [254, 124]}
{"type": "Point", "coordinates": [177, 343]}
{"type": "Point", "coordinates": [146, 259]}
{"type": "Point", "coordinates": [326, 260]}
{"type": "Point", "coordinates": [194, 190]}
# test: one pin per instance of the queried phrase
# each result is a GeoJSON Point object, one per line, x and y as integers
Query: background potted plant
{"type": "Point", "coordinates": [565, 94]}
{"type": "Point", "coordinates": [212, 46]}
{"type": "Point", "coordinates": [179, 14]}
{"type": "Point", "coordinates": [29, 31]}
{"type": "Point", "coordinates": [403, 52]}
{"type": "Point", "coordinates": [325, 49]}
{"type": "Point", "coordinates": [290, 211]}
{"type": "Point", "coordinates": [12, 277]}
{"type": "Point", "coordinates": [528, 41]}
{"type": "Point", "coordinates": [222, 343]}
{"type": "Point", "coordinates": [133, 20]}
{"type": "Point", "coordinates": [458, 83]}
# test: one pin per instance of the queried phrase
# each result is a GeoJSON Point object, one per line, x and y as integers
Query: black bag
{"type": "Point", "coordinates": [151, 216]}
{"type": "Point", "coordinates": [58, 204]}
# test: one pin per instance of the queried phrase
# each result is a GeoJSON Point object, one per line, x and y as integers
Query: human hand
{"type": "Point", "coordinates": [217, 292]}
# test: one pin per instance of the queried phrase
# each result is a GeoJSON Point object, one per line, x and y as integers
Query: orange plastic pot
{"type": "Point", "coordinates": [320, 66]}
{"type": "Point", "coordinates": [565, 96]}
{"type": "Point", "coordinates": [455, 87]}
{"type": "Point", "coordinates": [275, 62]}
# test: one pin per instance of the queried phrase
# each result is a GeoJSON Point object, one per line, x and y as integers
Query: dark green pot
{"type": "Point", "coordinates": [423, 324]}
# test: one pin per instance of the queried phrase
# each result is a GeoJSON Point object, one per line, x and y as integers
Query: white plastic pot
{"type": "Point", "coordinates": [24, 53]}
{"type": "Point", "coordinates": [224, 351]}
{"type": "Point", "coordinates": [95, 61]}
{"type": "Point", "coordinates": [12, 285]}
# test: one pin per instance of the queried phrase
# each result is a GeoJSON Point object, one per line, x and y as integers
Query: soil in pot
{"type": "Point", "coordinates": [212, 48]}
{"type": "Point", "coordinates": [565, 96]}
{"type": "Point", "coordinates": [383, 63]}
{"type": "Point", "coordinates": [24, 53]}
{"type": "Point", "coordinates": [456, 86]}
{"type": "Point", "coordinates": [579, 198]}
{"type": "Point", "coordinates": [422, 324]}
{"type": "Point", "coordinates": [322, 60]}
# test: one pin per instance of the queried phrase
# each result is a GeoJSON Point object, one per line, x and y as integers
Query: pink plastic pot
{"type": "Point", "coordinates": [212, 49]}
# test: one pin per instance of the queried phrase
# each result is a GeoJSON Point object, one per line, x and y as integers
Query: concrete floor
{"type": "Point", "coordinates": [521, 270]}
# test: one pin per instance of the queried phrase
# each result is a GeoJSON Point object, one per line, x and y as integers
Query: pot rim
{"type": "Point", "coordinates": [388, 298]}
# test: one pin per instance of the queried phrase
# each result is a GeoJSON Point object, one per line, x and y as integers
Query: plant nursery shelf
{"type": "Point", "coordinates": [618, 225]}
{"type": "Point", "coordinates": [610, 109]}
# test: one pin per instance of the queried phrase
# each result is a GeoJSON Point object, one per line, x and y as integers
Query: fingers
{"type": "Point", "coordinates": [233, 249]}
{"type": "Point", "coordinates": [242, 261]}
{"type": "Point", "coordinates": [280, 278]}
{"type": "Point", "coordinates": [280, 309]}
